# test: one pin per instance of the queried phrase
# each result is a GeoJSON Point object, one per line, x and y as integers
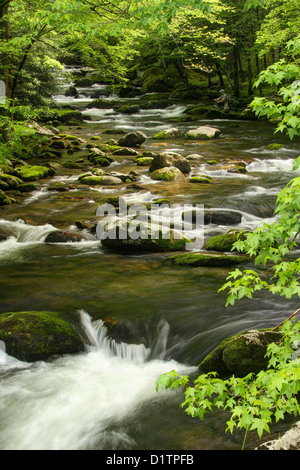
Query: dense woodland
{"type": "Point", "coordinates": [251, 48]}
{"type": "Point", "coordinates": [190, 48]}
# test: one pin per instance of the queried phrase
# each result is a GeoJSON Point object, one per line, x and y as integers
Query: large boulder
{"type": "Point", "coordinates": [35, 336]}
{"type": "Point", "coordinates": [169, 134]}
{"type": "Point", "coordinates": [4, 199]}
{"type": "Point", "coordinates": [11, 181]}
{"type": "Point", "coordinates": [225, 241]}
{"type": "Point", "coordinates": [170, 173]}
{"type": "Point", "coordinates": [129, 109]}
{"type": "Point", "coordinates": [170, 159]}
{"type": "Point", "coordinates": [241, 354]}
{"type": "Point", "coordinates": [100, 180]}
{"type": "Point", "coordinates": [140, 238]}
{"type": "Point", "coordinates": [33, 172]}
{"type": "Point", "coordinates": [290, 440]}
{"type": "Point", "coordinates": [203, 133]}
{"type": "Point", "coordinates": [132, 139]}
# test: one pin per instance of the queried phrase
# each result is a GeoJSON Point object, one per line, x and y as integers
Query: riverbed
{"type": "Point", "coordinates": [105, 398]}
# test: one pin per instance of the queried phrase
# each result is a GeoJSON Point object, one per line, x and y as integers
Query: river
{"type": "Point", "coordinates": [105, 398]}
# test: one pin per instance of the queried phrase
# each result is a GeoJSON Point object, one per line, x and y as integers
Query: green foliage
{"type": "Point", "coordinates": [254, 401]}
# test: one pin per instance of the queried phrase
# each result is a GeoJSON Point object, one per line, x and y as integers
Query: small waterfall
{"type": "Point", "coordinates": [25, 233]}
{"type": "Point", "coordinates": [83, 401]}
{"type": "Point", "coordinates": [98, 340]}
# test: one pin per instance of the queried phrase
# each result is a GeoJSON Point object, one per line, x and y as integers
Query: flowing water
{"type": "Point", "coordinates": [105, 398]}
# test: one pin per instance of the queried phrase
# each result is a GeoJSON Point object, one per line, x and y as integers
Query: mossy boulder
{"type": "Point", "coordinates": [167, 174]}
{"type": "Point", "coordinates": [132, 139]}
{"type": "Point", "coordinates": [35, 336]}
{"type": "Point", "coordinates": [100, 180]}
{"type": "Point", "coordinates": [102, 104]}
{"type": "Point", "coordinates": [126, 152]}
{"type": "Point", "coordinates": [225, 241]}
{"type": "Point", "coordinates": [27, 187]}
{"type": "Point", "coordinates": [206, 260]}
{"type": "Point", "coordinates": [11, 181]}
{"type": "Point", "coordinates": [129, 109]}
{"type": "Point", "coordinates": [275, 146]}
{"type": "Point", "coordinates": [172, 133]}
{"type": "Point", "coordinates": [111, 200]}
{"type": "Point", "coordinates": [170, 159]}
{"type": "Point", "coordinates": [33, 172]}
{"type": "Point", "coordinates": [140, 238]}
{"type": "Point", "coordinates": [203, 133]}
{"type": "Point", "coordinates": [143, 161]}
{"type": "Point", "coordinates": [4, 199]}
{"type": "Point", "coordinates": [201, 179]}
{"type": "Point", "coordinates": [241, 354]}
{"type": "Point", "coordinates": [3, 186]}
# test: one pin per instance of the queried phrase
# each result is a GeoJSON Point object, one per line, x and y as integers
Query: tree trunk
{"type": "Point", "coordinates": [5, 74]}
{"type": "Point", "coordinates": [236, 85]}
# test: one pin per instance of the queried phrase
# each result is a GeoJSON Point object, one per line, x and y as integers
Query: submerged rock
{"type": "Point", "coordinates": [241, 354]}
{"type": "Point", "coordinates": [222, 217]}
{"type": "Point", "coordinates": [35, 336]}
{"type": "Point", "coordinates": [58, 236]}
{"type": "Point", "coordinates": [201, 179]}
{"type": "Point", "coordinates": [206, 260]}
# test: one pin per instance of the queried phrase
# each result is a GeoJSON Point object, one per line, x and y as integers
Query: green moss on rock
{"type": "Point", "coordinates": [27, 187]}
{"type": "Point", "coordinates": [275, 146]}
{"type": "Point", "coordinates": [241, 354]}
{"type": "Point", "coordinates": [4, 199]}
{"type": "Point", "coordinates": [200, 179]}
{"type": "Point", "coordinates": [167, 174]}
{"type": "Point", "coordinates": [33, 172]}
{"type": "Point", "coordinates": [143, 161]}
{"type": "Point", "coordinates": [147, 242]}
{"type": "Point", "coordinates": [224, 242]}
{"type": "Point", "coordinates": [34, 336]}
{"type": "Point", "coordinates": [206, 260]}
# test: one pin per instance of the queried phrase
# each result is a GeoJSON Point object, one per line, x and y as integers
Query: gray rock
{"type": "Point", "coordinates": [59, 236]}
{"type": "Point", "coordinates": [289, 441]}
{"type": "Point", "coordinates": [168, 159]}
{"type": "Point", "coordinates": [133, 139]}
{"type": "Point", "coordinates": [203, 133]}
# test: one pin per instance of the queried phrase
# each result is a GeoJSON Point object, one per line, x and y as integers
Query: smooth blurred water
{"type": "Point", "coordinates": [105, 398]}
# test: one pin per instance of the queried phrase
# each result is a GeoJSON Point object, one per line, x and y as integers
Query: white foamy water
{"type": "Point", "coordinates": [23, 237]}
{"type": "Point", "coordinates": [76, 402]}
{"type": "Point", "coordinates": [272, 166]}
